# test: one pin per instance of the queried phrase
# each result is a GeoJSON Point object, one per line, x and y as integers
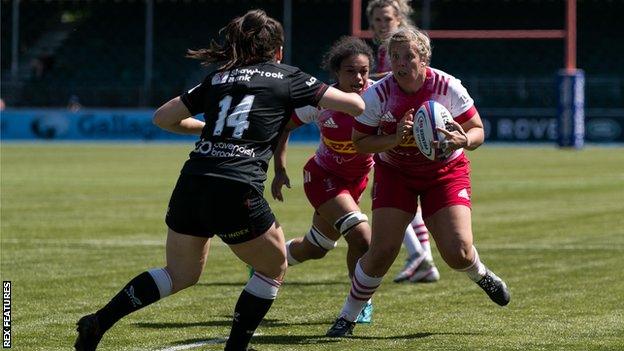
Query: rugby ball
{"type": "Point", "coordinates": [430, 115]}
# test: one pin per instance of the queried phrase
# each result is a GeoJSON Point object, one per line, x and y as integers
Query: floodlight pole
{"type": "Point", "coordinates": [287, 31]}
{"type": "Point", "coordinates": [149, 52]}
{"type": "Point", "coordinates": [15, 41]}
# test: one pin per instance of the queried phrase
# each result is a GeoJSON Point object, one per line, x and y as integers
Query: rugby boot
{"type": "Point", "coordinates": [426, 272]}
{"type": "Point", "coordinates": [495, 287]}
{"type": "Point", "coordinates": [366, 315]}
{"type": "Point", "coordinates": [341, 328]}
{"type": "Point", "coordinates": [411, 264]}
{"type": "Point", "coordinates": [89, 334]}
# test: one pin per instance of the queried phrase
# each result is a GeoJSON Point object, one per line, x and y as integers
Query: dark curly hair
{"type": "Point", "coordinates": [345, 47]}
{"type": "Point", "coordinates": [248, 39]}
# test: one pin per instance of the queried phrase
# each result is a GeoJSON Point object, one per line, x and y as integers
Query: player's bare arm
{"type": "Point", "coordinates": [175, 117]}
{"type": "Point", "coordinates": [367, 143]}
{"type": "Point", "coordinates": [279, 163]}
{"type": "Point", "coordinates": [337, 100]}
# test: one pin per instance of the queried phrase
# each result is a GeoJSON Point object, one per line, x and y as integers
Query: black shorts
{"type": "Point", "coordinates": [206, 206]}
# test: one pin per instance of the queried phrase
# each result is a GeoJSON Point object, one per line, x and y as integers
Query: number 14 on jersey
{"type": "Point", "coordinates": [237, 119]}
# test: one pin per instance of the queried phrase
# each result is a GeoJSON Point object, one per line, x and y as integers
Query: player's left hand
{"type": "Point", "coordinates": [453, 139]}
{"type": "Point", "coordinates": [279, 180]}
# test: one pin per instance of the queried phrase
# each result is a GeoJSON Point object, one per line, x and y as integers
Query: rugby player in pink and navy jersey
{"type": "Point", "coordinates": [403, 175]}
{"type": "Point", "coordinates": [336, 176]}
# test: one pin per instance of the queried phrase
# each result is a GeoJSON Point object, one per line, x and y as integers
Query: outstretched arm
{"type": "Point", "coordinates": [337, 100]}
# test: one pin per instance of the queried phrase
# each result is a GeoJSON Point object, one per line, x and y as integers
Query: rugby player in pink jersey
{"type": "Point", "coordinates": [385, 17]}
{"type": "Point", "coordinates": [403, 175]}
{"type": "Point", "coordinates": [336, 176]}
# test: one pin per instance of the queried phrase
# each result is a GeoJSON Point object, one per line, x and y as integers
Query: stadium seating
{"type": "Point", "coordinates": [102, 59]}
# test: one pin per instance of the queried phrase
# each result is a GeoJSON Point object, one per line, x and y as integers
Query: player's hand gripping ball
{"type": "Point", "coordinates": [432, 115]}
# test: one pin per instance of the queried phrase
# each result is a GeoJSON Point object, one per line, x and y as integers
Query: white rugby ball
{"type": "Point", "coordinates": [430, 115]}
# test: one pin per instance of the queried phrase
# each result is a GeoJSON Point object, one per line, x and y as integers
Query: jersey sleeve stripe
{"type": "Point", "coordinates": [320, 92]}
{"type": "Point", "coordinates": [386, 87]}
{"type": "Point", "coordinates": [379, 95]}
{"type": "Point", "coordinates": [364, 128]}
{"type": "Point", "coordinates": [466, 115]}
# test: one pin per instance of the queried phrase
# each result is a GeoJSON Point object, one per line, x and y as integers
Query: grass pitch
{"type": "Point", "coordinates": [79, 220]}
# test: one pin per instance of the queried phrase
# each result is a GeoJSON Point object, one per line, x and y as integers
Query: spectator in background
{"type": "Point", "coordinates": [384, 18]}
{"type": "Point", "coordinates": [42, 64]}
{"type": "Point", "coordinates": [245, 103]}
{"type": "Point", "coordinates": [73, 104]}
{"type": "Point", "coordinates": [2, 104]}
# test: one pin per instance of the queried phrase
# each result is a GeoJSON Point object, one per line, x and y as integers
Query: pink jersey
{"type": "Point", "coordinates": [386, 104]}
{"type": "Point", "coordinates": [336, 152]}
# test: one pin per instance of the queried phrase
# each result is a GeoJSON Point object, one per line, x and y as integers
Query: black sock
{"type": "Point", "coordinates": [138, 293]}
{"type": "Point", "coordinates": [248, 313]}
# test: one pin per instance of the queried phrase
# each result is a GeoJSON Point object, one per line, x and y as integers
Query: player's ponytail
{"type": "Point", "coordinates": [252, 38]}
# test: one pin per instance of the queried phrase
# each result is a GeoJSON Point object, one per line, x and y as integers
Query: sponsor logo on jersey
{"type": "Point", "coordinates": [342, 147]}
{"type": "Point", "coordinates": [388, 117]}
{"type": "Point", "coordinates": [329, 123]}
{"type": "Point", "coordinates": [409, 142]}
{"type": "Point", "coordinates": [222, 149]}
{"type": "Point", "coordinates": [243, 75]}
{"type": "Point", "coordinates": [220, 78]}
{"type": "Point", "coordinates": [310, 81]}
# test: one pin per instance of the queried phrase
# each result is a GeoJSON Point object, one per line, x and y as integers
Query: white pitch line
{"type": "Point", "coordinates": [195, 344]}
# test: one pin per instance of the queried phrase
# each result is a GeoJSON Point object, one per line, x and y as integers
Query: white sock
{"type": "Point", "coordinates": [262, 286]}
{"type": "Point", "coordinates": [411, 242]}
{"type": "Point", "coordinates": [422, 233]}
{"type": "Point", "coordinates": [363, 287]}
{"type": "Point", "coordinates": [291, 260]}
{"type": "Point", "coordinates": [476, 270]}
{"type": "Point", "coordinates": [163, 281]}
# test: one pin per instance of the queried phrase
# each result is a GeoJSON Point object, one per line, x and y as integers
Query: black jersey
{"type": "Point", "coordinates": [245, 110]}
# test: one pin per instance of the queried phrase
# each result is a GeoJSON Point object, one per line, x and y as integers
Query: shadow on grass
{"type": "Point", "coordinates": [259, 340]}
{"type": "Point", "coordinates": [287, 282]}
{"type": "Point", "coordinates": [223, 323]}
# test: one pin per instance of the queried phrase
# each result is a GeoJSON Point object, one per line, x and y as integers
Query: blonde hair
{"type": "Point", "coordinates": [411, 34]}
{"type": "Point", "coordinates": [401, 7]}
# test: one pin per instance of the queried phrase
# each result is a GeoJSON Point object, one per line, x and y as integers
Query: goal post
{"type": "Point", "coordinates": [570, 79]}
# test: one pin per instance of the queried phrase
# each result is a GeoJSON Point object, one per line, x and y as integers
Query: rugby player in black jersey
{"type": "Point", "coordinates": [245, 105]}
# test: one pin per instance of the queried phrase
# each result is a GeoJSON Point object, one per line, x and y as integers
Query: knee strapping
{"type": "Point", "coordinates": [262, 286]}
{"type": "Point", "coordinates": [163, 281]}
{"type": "Point", "coordinates": [318, 239]}
{"type": "Point", "coordinates": [349, 221]}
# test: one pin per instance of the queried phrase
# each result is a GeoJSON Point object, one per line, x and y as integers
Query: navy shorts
{"type": "Point", "coordinates": [206, 206]}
